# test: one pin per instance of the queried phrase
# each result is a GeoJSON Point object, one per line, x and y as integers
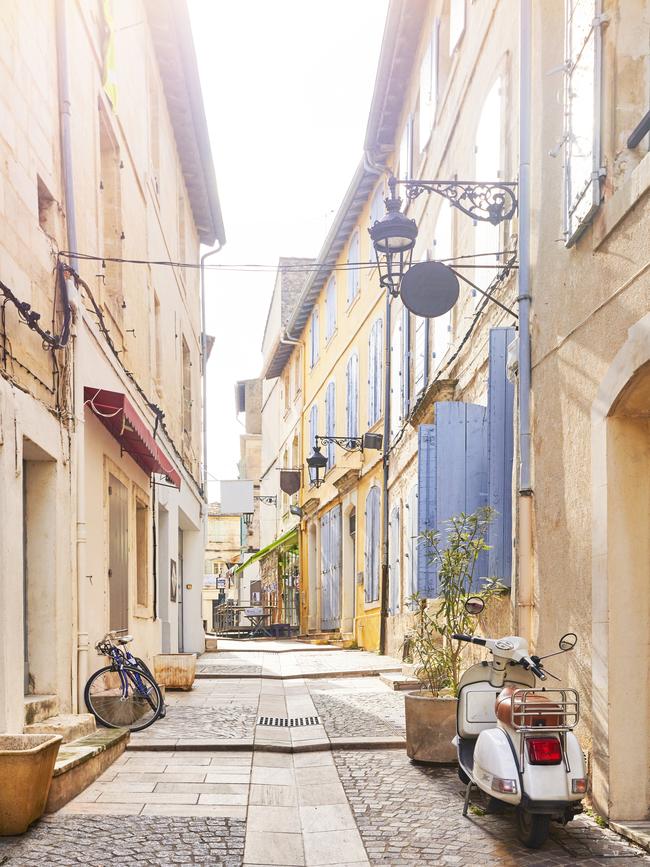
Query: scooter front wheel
{"type": "Point", "coordinates": [533, 828]}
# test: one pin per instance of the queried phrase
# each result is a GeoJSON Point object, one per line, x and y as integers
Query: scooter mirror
{"type": "Point", "coordinates": [474, 605]}
{"type": "Point", "coordinates": [568, 641]}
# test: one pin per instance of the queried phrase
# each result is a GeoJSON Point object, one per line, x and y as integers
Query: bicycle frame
{"type": "Point", "coordinates": [121, 658]}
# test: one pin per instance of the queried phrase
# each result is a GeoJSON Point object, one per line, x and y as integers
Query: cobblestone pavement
{"type": "Point", "coordinates": [359, 706]}
{"type": "Point", "coordinates": [213, 709]}
{"type": "Point", "coordinates": [411, 814]}
{"type": "Point", "coordinates": [118, 841]}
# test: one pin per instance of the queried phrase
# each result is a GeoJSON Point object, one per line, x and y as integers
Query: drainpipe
{"type": "Point", "coordinates": [204, 371]}
{"type": "Point", "coordinates": [525, 494]}
{"type": "Point", "coordinates": [383, 615]}
{"type": "Point", "coordinates": [78, 439]}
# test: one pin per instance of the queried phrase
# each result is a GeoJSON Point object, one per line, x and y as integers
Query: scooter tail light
{"type": "Point", "coordinates": [504, 787]}
{"type": "Point", "coordinates": [579, 786]}
{"type": "Point", "coordinates": [544, 751]}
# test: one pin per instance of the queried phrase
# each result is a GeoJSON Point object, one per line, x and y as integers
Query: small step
{"type": "Point", "coordinates": [638, 831]}
{"type": "Point", "coordinates": [398, 681]}
{"type": "Point", "coordinates": [70, 726]}
{"type": "Point", "coordinates": [40, 707]}
{"type": "Point", "coordinates": [80, 763]}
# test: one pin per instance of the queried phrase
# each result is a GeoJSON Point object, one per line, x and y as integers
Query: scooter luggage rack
{"type": "Point", "coordinates": [557, 711]}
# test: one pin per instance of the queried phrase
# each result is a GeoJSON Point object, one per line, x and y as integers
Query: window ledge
{"type": "Point", "coordinates": [616, 208]}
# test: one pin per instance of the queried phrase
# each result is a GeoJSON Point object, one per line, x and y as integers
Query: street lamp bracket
{"type": "Point", "coordinates": [486, 201]}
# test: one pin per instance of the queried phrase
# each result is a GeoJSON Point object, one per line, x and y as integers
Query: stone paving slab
{"type": "Point", "coordinates": [412, 814]}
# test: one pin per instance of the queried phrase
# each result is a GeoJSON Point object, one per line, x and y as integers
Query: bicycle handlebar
{"type": "Point", "coordinates": [470, 638]}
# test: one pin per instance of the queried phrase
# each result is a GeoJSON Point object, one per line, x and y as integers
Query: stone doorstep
{"type": "Point", "coordinates": [80, 763]}
{"type": "Point", "coordinates": [397, 681]}
{"type": "Point", "coordinates": [636, 831]}
{"type": "Point", "coordinates": [71, 726]}
{"type": "Point", "coordinates": [40, 707]}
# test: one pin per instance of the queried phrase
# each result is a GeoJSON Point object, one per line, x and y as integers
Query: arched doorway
{"type": "Point", "coordinates": [621, 582]}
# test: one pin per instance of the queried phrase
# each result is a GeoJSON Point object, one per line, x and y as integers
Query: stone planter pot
{"type": "Point", "coordinates": [430, 727]}
{"type": "Point", "coordinates": [26, 766]}
{"type": "Point", "coordinates": [175, 670]}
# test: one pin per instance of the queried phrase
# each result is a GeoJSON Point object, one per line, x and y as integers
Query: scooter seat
{"type": "Point", "coordinates": [537, 710]}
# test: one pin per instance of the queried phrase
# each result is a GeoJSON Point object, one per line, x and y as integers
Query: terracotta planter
{"type": "Point", "coordinates": [26, 766]}
{"type": "Point", "coordinates": [430, 727]}
{"type": "Point", "coordinates": [175, 670]}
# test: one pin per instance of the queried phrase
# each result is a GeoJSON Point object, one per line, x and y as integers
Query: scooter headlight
{"type": "Point", "coordinates": [579, 786]}
{"type": "Point", "coordinates": [504, 787]}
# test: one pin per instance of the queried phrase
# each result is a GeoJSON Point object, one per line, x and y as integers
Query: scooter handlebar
{"type": "Point", "coordinates": [470, 638]}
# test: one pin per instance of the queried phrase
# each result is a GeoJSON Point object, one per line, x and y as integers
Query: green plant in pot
{"type": "Point", "coordinates": [431, 712]}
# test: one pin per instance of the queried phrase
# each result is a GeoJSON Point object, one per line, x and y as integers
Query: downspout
{"type": "Point", "coordinates": [383, 615]}
{"type": "Point", "coordinates": [78, 449]}
{"type": "Point", "coordinates": [525, 494]}
{"type": "Point", "coordinates": [204, 372]}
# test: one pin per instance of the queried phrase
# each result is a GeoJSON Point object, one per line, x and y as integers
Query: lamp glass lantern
{"type": "Point", "coordinates": [316, 462]}
{"type": "Point", "coordinates": [393, 238]}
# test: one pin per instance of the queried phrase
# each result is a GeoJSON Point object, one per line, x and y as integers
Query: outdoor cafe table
{"type": "Point", "coordinates": [258, 618]}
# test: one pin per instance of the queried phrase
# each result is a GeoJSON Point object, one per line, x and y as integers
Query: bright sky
{"type": "Point", "coordinates": [287, 87]}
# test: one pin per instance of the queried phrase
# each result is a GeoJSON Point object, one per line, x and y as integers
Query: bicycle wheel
{"type": "Point", "coordinates": [143, 665]}
{"type": "Point", "coordinates": [125, 698]}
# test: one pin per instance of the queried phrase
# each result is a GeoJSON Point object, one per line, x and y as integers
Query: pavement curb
{"type": "Point", "coordinates": [259, 746]}
{"type": "Point", "coordinates": [320, 675]}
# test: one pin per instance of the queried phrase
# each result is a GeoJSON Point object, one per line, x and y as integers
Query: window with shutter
{"type": "Point", "coordinates": [429, 87]}
{"type": "Point", "coordinates": [452, 478]}
{"type": "Point", "coordinates": [371, 553]}
{"type": "Point", "coordinates": [405, 381]}
{"type": "Point", "coordinates": [489, 167]}
{"type": "Point", "coordinates": [421, 356]}
{"type": "Point", "coordinates": [330, 309]}
{"type": "Point", "coordinates": [353, 271]}
{"type": "Point", "coordinates": [375, 350]}
{"type": "Point", "coordinates": [377, 210]}
{"type": "Point", "coordinates": [352, 396]}
{"type": "Point", "coordinates": [582, 113]}
{"type": "Point", "coordinates": [314, 338]}
{"type": "Point", "coordinates": [396, 378]}
{"type": "Point", "coordinates": [411, 555]}
{"type": "Point", "coordinates": [456, 23]}
{"type": "Point", "coordinates": [330, 422]}
{"type": "Point", "coordinates": [394, 571]}
{"type": "Point", "coordinates": [313, 430]}
{"type": "Point", "coordinates": [406, 150]}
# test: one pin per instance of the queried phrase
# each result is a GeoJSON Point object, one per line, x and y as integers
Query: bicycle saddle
{"type": "Point", "coordinates": [124, 639]}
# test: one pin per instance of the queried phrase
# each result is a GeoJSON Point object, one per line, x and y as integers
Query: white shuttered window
{"type": "Point", "coordinates": [330, 421]}
{"type": "Point", "coordinates": [442, 249]}
{"type": "Point", "coordinates": [353, 272]}
{"type": "Point", "coordinates": [313, 430]}
{"type": "Point", "coordinates": [429, 87]}
{"type": "Point", "coordinates": [371, 553]}
{"type": "Point", "coordinates": [582, 163]}
{"type": "Point", "coordinates": [314, 339]}
{"type": "Point", "coordinates": [330, 309]}
{"type": "Point", "coordinates": [352, 396]}
{"type": "Point", "coordinates": [375, 350]}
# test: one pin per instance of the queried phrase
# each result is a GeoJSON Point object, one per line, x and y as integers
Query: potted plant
{"type": "Point", "coordinates": [26, 766]}
{"type": "Point", "coordinates": [431, 711]}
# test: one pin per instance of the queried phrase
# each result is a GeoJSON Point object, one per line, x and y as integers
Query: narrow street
{"type": "Point", "coordinates": [218, 783]}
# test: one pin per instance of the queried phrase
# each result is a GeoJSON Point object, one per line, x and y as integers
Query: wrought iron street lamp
{"type": "Point", "coordinates": [394, 236]}
{"type": "Point", "coordinates": [317, 462]}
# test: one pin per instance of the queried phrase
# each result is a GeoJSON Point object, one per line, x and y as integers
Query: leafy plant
{"type": "Point", "coordinates": [456, 552]}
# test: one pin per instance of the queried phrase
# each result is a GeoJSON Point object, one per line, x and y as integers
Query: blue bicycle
{"type": "Point", "coordinates": [124, 694]}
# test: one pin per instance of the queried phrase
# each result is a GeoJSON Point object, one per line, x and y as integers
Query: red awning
{"type": "Point", "coordinates": [120, 418]}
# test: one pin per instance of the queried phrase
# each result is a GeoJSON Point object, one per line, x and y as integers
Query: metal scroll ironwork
{"type": "Point", "coordinates": [490, 202]}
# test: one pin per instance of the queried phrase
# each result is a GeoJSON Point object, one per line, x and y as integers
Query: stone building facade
{"type": "Point", "coordinates": [105, 158]}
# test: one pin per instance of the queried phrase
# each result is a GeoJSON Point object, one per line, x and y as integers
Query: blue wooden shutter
{"type": "Point", "coordinates": [379, 349]}
{"type": "Point", "coordinates": [313, 430]}
{"type": "Point", "coordinates": [371, 582]}
{"type": "Point", "coordinates": [501, 394]}
{"type": "Point", "coordinates": [371, 374]}
{"type": "Point", "coordinates": [452, 478]}
{"type": "Point", "coordinates": [352, 396]}
{"type": "Point", "coordinates": [325, 560]}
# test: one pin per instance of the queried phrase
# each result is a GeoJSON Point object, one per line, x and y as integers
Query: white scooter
{"type": "Point", "coordinates": [516, 742]}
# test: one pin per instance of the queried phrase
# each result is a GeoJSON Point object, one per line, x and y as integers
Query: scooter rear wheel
{"type": "Point", "coordinates": [532, 828]}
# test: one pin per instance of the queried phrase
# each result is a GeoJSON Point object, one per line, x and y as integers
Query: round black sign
{"type": "Point", "coordinates": [429, 289]}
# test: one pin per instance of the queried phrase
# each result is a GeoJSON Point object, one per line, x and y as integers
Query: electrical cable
{"type": "Point", "coordinates": [312, 268]}
{"type": "Point", "coordinates": [31, 317]}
